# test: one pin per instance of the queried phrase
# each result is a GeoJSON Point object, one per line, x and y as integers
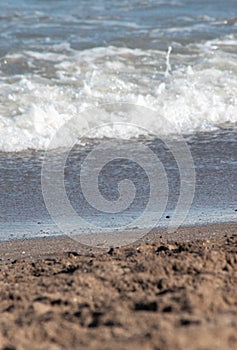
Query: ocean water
{"type": "Point", "coordinates": [73, 65]}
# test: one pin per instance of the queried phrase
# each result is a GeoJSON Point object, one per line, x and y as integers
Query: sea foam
{"type": "Point", "coordinates": [40, 92]}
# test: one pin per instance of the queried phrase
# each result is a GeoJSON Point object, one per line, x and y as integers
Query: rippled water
{"type": "Point", "coordinates": [60, 58]}
{"type": "Point", "coordinates": [64, 59]}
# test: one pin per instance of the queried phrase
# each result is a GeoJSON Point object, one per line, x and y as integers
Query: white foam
{"type": "Point", "coordinates": [197, 97]}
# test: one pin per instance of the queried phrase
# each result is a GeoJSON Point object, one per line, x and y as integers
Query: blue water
{"type": "Point", "coordinates": [63, 59]}
{"type": "Point", "coordinates": [135, 24]}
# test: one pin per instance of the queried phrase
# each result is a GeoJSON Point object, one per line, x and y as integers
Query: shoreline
{"type": "Point", "coordinates": [40, 248]}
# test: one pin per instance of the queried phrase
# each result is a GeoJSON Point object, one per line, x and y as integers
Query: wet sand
{"type": "Point", "coordinates": [164, 292]}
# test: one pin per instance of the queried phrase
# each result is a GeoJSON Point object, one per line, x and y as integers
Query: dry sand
{"type": "Point", "coordinates": [176, 292]}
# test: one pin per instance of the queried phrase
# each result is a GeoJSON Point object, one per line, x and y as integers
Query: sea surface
{"type": "Point", "coordinates": [123, 79]}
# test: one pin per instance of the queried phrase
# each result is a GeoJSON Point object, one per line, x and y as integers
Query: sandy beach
{"type": "Point", "coordinates": [161, 293]}
{"type": "Point", "coordinates": [118, 118]}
